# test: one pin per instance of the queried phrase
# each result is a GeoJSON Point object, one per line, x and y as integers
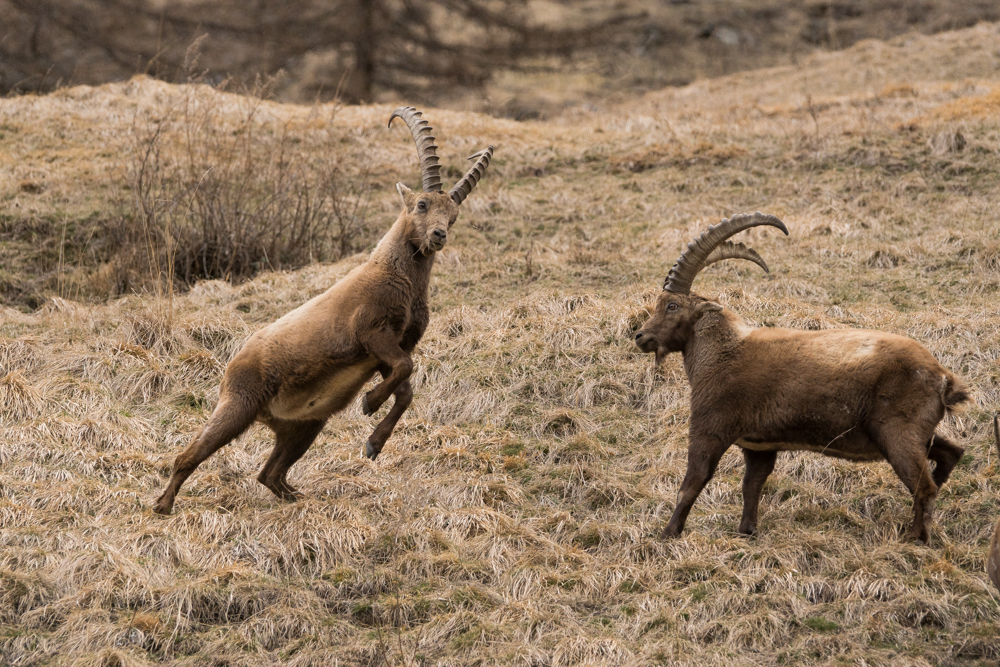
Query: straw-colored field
{"type": "Point", "coordinates": [513, 517]}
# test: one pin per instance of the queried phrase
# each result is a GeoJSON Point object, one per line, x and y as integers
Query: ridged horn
{"type": "Point", "coordinates": [430, 166]}
{"type": "Point", "coordinates": [730, 250]}
{"type": "Point", "coordinates": [699, 251]}
{"type": "Point", "coordinates": [464, 186]}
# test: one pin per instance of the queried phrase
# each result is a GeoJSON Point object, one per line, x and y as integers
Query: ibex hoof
{"type": "Point", "coordinates": [366, 409]}
{"type": "Point", "coordinates": [161, 509]}
{"type": "Point", "coordinates": [370, 451]}
{"type": "Point", "coordinates": [670, 533]}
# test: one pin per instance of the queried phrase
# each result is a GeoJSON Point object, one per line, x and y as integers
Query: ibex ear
{"type": "Point", "coordinates": [706, 307]}
{"type": "Point", "coordinates": [406, 196]}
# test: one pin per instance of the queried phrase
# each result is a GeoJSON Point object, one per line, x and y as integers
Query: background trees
{"type": "Point", "coordinates": [521, 58]}
{"type": "Point", "coordinates": [354, 48]}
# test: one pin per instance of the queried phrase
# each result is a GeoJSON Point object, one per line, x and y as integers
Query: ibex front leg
{"type": "Point", "coordinates": [403, 398]}
{"type": "Point", "coordinates": [383, 347]}
{"type": "Point", "coordinates": [704, 453]}
{"type": "Point", "coordinates": [758, 466]}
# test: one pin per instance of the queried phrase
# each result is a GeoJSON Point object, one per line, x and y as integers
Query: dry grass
{"type": "Point", "coordinates": [512, 517]}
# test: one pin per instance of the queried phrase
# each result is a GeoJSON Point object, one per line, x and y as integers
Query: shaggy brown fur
{"type": "Point", "coordinates": [854, 394]}
{"type": "Point", "coordinates": [993, 564]}
{"type": "Point", "coordinates": [295, 373]}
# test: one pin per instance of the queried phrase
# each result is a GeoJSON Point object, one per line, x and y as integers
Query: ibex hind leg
{"type": "Point", "coordinates": [906, 452]}
{"type": "Point", "coordinates": [759, 465]}
{"type": "Point", "coordinates": [945, 455]}
{"type": "Point", "coordinates": [292, 440]}
{"type": "Point", "coordinates": [230, 418]}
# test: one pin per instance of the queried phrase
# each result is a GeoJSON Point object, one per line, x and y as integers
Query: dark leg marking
{"type": "Point", "coordinates": [403, 398]}
{"type": "Point", "coordinates": [383, 347]}
{"type": "Point", "coordinates": [758, 466]}
{"type": "Point", "coordinates": [704, 453]}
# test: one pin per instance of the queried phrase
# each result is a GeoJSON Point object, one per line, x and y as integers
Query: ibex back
{"type": "Point", "coordinates": [295, 373]}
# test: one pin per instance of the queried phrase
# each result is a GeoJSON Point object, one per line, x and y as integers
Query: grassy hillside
{"type": "Point", "coordinates": [513, 516]}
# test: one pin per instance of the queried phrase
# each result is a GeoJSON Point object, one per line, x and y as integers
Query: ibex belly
{"type": "Point", "coordinates": [850, 449]}
{"type": "Point", "coordinates": [327, 395]}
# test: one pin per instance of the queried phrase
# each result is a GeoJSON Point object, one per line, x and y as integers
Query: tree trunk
{"type": "Point", "coordinates": [365, 43]}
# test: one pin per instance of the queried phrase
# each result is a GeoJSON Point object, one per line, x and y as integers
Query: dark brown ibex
{"type": "Point", "coordinates": [853, 394]}
{"type": "Point", "coordinates": [993, 564]}
{"type": "Point", "coordinates": [294, 374]}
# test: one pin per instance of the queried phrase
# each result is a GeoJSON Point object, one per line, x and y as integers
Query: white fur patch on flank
{"type": "Point", "coordinates": [742, 329]}
{"type": "Point", "coordinates": [858, 351]}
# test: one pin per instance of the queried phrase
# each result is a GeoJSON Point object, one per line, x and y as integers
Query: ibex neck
{"type": "Point", "coordinates": [399, 254]}
{"type": "Point", "coordinates": [716, 338]}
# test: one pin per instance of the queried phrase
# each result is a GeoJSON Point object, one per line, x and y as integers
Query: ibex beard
{"type": "Point", "coordinates": [295, 373]}
{"type": "Point", "coordinates": [852, 394]}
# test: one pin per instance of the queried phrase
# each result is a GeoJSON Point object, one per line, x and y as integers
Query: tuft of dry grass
{"type": "Point", "coordinates": [512, 518]}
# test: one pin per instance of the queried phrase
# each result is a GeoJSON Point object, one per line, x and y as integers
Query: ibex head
{"type": "Point", "coordinates": [431, 214]}
{"type": "Point", "coordinates": [677, 309]}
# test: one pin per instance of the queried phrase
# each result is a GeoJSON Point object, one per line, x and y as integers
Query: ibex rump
{"type": "Point", "coordinates": [295, 373]}
{"type": "Point", "coordinates": [853, 394]}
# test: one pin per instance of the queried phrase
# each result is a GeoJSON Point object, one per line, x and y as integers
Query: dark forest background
{"type": "Point", "coordinates": [508, 57]}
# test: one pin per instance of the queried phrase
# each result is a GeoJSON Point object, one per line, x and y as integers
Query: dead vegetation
{"type": "Point", "coordinates": [200, 185]}
{"type": "Point", "coordinates": [223, 191]}
{"type": "Point", "coordinates": [513, 517]}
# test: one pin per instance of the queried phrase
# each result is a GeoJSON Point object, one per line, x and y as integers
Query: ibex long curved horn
{"type": "Point", "coordinates": [710, 246]}
{"type": "Point", "coordinates": [430, 166]}
{"type": "Point", "coordinates": [464, 186]}
{"type": "Point", "coordinates": [730, 250]}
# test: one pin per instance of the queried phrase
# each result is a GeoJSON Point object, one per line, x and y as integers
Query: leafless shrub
{"type": "Point", "coordinates": [223, 195]}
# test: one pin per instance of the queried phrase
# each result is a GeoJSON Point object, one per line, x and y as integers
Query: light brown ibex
{"type": "Point", "coordinates": [854, 394]}
{"type": "Point", "coordinates": [294, 374]}
{"type": "Point", "coordinates": [993, 564]}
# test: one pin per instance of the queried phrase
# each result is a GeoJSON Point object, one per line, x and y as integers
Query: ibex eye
{"type": "Point", "coordinates": [672, 306]}
{"type": "Point", "coordinates": [422, 206]}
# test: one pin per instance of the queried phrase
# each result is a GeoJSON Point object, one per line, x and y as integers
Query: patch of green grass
{"type": "Point", "coordinates": [630, 586]}
{"type": "Point", "coordinates": [512, 449]}
{"type": "Point", "coordinates": [587, 537]}
{"type": "Point", "coordinates": [699, 593]}
{"type": "Point", "coordinates": [820, 624]}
